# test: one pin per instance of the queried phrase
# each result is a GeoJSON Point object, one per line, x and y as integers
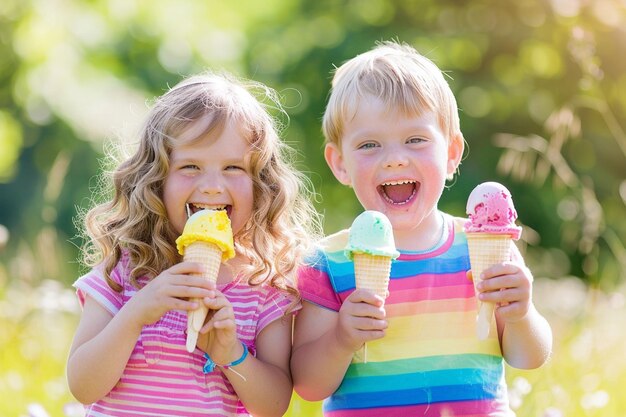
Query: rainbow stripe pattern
{"type": "Point", "coordinates": [430, 362]}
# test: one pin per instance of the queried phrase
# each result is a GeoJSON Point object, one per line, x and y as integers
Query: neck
{"type": "Point", "coordinates": [425, 236]}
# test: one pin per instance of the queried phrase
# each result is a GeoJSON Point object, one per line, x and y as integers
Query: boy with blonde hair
{"type": "Point", "coordinates": [393, 135]}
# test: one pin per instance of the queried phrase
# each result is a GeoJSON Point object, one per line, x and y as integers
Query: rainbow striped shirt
{"type": "Point", "coordinates": [161, 378]}
{"type": "Point", "coordinates": [430, 362]}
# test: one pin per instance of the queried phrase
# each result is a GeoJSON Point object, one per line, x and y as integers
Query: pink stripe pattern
{"type": "Point", "coordinates": [161, 378]}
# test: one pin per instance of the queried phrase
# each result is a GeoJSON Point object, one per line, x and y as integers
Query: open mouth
{"type": "Point", "coordinates": [192, 208]}
{"type": "Point", "coordinates": [398, 192]}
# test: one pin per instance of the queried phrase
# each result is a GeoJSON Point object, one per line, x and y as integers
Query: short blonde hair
{"type": "Point", "coordinates": [398, 75]}
{"type": "Point", "coordinates": [134, 220]}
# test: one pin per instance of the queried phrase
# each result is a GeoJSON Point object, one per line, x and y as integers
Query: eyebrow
{"type": "Point", "coordinates": [184, 157]}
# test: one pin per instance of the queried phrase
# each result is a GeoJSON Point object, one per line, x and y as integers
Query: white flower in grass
{"type": "Point", "coordinates": [74, 410]}
{"type": "Point", "coordinates": [552, 412]}
{"type": "Point", "coordinates": [596, 399]}
{"type": "Point", "coordinates": [520, 387]}
{"type": "Point", "coordinates": [37, 410]}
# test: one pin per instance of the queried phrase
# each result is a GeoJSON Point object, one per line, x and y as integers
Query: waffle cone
{"type": "Point", "coordinates": [485, 250]}
{"type": "Point", "coordinates": [371, 272]}
{"type": "Point", "coordinates": [209, 256]}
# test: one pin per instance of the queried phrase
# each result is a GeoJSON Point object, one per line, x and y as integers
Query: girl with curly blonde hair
{"type": "Point", "coordinates": [208, 143]}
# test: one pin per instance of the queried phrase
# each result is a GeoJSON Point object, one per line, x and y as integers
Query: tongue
{"type": "Point", "coordinates": [399, 193]}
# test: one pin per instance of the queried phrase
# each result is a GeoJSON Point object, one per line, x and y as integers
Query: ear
{"type": "Point", "coordinates": [334, 159]}
{"type": "Point", "coordinates": [455, 153]}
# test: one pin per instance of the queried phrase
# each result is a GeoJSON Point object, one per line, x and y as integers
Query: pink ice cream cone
{"type": "Point", "coordinates": [490, 232]}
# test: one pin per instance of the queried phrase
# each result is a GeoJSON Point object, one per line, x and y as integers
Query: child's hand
{"type": "Point", "coordinates": [170, 290]}
{"type": "Point", "coordinates": [509, 285]}
{"type": "Point", "coordinates": [361, 319]}
{"type": "Point", "coordinates": [218, 336]}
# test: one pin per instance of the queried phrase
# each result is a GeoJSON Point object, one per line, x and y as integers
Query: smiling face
{"type": "Point", "coordinates": [210, 173]}
{"type": "Point", "coordinates": [397, 164]}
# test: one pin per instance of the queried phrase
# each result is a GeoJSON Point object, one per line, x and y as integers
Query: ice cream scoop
{"type": "Point", "coordinates": [490, 230]}
{"type": "Point", "coordinates": [371, 233]}
{"type": "Point", "coordinates": [490, 210]}
{"type": "Point", "coordinates": [371, 247]}
{"type": "Point", "coordinates": [211, 226]}
{"type": "Point", "coordinates": [207, 239]}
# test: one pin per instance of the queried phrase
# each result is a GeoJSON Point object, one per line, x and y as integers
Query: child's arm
{"type": "Point", "coordinates": [101, 347]}
{"type": "Point", "coordinates": [325, 341]}
{"type": "Point", "coordinates": [103, 343]}
{"type": "Point", "coordinates": [525, 335]}
{"type": "Point", "coordinates": [263, 383]}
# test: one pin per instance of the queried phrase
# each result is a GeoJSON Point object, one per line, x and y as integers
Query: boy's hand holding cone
{"type": "Point", "coordinates": [490, 231]}
{"type": "Point", "coordinates": [371, 246]}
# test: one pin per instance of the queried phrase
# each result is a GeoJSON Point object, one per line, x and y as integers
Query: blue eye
{"type": "Point", "coordinates": [416, 140]}
{"type": "Point", "coordinates": [368, 145]}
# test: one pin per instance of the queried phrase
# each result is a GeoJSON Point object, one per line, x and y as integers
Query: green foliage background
{"type": "Point", "coordinates": [540, 84]}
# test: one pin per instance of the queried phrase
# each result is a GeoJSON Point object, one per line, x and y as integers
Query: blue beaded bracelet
{"type": "Point", "coordinates": [209, 366]}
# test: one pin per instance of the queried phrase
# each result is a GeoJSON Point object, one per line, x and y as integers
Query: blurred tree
{"type": "Point", "coordinates": [539, 85]}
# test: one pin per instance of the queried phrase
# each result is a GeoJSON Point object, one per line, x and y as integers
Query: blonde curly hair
{"type": "Point", "coordinates": [134, 220]}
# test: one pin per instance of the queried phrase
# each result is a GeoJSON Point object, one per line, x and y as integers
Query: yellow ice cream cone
{"type": "Point", "coordinates": [210, 257]}
{"type": "Point", "coordinates": [208, 240]}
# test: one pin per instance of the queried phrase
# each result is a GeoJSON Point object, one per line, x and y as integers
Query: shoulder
{"type": "Point", "coordinates": [243, 295]}
{"type": "Point", "coordinates": [261, 305]}
{"type": "Point", "coordinates": [457, 230]}
{"type": "Point", "coordinates": [457, 222]}
{"type": "Point", "coordinates": [335, 242]}
{"type": "Point", "coordinates": [275, 297]}
{"type": "Point", "coordinates": [96, 277]}
{"type": "Point", "coordinates": [328, 249]}
{"type": "Point", "coordinates": [94, 284]}
{"type": "Point", "coordinates": [317, 278]}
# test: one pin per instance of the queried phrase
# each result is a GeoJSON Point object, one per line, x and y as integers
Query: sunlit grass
{"type": "Point", "coordinates": [587, 372]}
{"type": "Point", "coordinates": [36, 328]}
{"type": "Point", "coordinates": [585, 376]}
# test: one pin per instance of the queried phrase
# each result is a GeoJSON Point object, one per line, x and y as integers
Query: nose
{"type": "Point", "coordinates": [395, 158]}
{"type": "Point", "coordinates": [210, 183]}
